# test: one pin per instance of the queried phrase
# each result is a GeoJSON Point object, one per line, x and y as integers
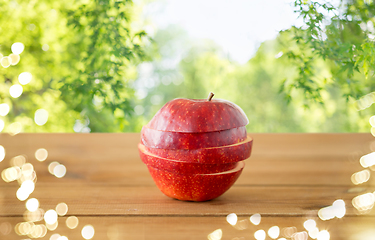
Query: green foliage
{"type": "Point", "coordinates": [82, 56]}
{"type": "Point", "coordinates": [343, 37]}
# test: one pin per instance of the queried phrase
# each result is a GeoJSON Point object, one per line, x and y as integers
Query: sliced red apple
{"type": "Point", "coordinates": [198, 115]}
{"type": "Point", "coordinates": [215, 155]}
{"type": "Point", "coordinates": [181, 167]}
{"type": "Point", "coordinates": [195, 187]}
{"type": "Point", "coordinates": [176, 140]}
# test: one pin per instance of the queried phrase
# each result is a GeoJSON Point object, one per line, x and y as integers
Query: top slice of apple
{"type": "Point", "coordinates": [198, 115]}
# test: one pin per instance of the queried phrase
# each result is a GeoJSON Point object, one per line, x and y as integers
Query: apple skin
{"type": "Point", "coordinates": [194, 187]}
{"type": "Point", "coordinates": [215, 155]}
{"type": "Point", "coordinates": [177, 140]}
{"type": "Point", "coordinates": [180, 167]}
{"type": "Point", "coordinates": [198, 115]}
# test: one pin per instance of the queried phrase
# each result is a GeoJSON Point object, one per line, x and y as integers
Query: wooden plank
{"type": "Point", "coordinates": [292, 159]}
{"type": "Point", "coordinates": [118, 228]}
{"type": "Point", "coordinates": [101, 200]}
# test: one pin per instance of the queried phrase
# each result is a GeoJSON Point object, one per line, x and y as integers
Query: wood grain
{"type": "Point", "coordinates": [287, 179]}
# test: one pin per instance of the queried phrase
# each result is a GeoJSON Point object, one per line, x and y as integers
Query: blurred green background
{"type": "Point", "coordinates": [91, 66]}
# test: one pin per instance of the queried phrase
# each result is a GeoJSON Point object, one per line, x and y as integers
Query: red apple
{"type": "Point", "coordinates": [177, 140]}
{"type": "Point", "coordinates": [195, 187]}
{"type": "Point", "coordinates": [194, 148]}
{"type": "Point", "coordinates": [198, 115]}
{"type": "Point", "coordinates": [180, 167]}
{"type": "Point", "coordinates": [214, 155]}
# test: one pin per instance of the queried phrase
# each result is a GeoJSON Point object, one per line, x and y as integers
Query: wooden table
{"type": "Point", "coordinates": [287, 180]}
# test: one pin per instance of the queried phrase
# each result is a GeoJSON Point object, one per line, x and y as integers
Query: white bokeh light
{"type": "Point", "coordinates": [50, 217]}
{"type": "Point", "coordinates": [2, 153]}
{"type": "Point", "coordinates": [24, 78]}
{"type": "Point", "coordinates": [17, 48]}
{"type": "Point", "coordinates": [32, 204]}
{"type": "Point", "coordinates": [88, 232]}
{"type": "Point", "coordinates": [15, 91]}
{"type": "Point", "coordinates": [4, 109]}
{"type": "Point", "coordinates": [41, 117]}
{"type": "Point", "coordinates": [59, 171]}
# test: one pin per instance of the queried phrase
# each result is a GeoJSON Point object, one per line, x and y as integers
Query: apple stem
{"type": "Point", "coordinates": [210, 96]}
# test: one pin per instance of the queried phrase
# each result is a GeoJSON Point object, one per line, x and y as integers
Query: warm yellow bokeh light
{"type": "Point", "coordinates": [53, 226]}
{"type": "Point", "coordinates": [41, 154]}
{"type": "Point", "coordinates": [61, 209]}
{"type": "Point", "coordinates": [289, 231]}
{"type": "Point", "coordinates": [15, 128]}
{"type": "Point", "coordinates": [18, 161]}
{"type": "Point", "coordinates": [215, 235]}
{"type": "Point", "coordinates": [364, 202]}
{"type": "Point", "coordinates": [323, 235]}
{"type": "Point", "coordinates": [50, 217]}
{"type": "Point", "coordinates": [367, 160]}
{"type": "Point", "coordinates": [72, 222]}
{"type": "Point", "coordinates": [232, 219]}
{"type": "Point", "coordinates": [274, 232]}
{"type": "Point", "coordinates": [88, 232]}
{"type": "Point", "coordinates": [260, 235]}
{"type": "Point", "coordinates": [52, 166]}
{"type": "Point", "coordinates": [32, 204]}
{"type": "Point", "coordinates": [59, 171]}
{"type": "Point", "coordinates": [15, 90]}
{"type": "Point", "coordinates": [55, 236]}
{"type": "Point", "coordinates": [255, 219]}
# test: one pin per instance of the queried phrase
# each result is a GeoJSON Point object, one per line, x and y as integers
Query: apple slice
{"type": "Point", "coordinates": [176, 140]}
{"type": "Point", "coordinates": [181, 167]}
{"type": "Point", "coordinates": [198, 115]}
{"type": "Point", "coordinates": [215, 155]}
{"type": "Point", "coordinates": [195, 187]}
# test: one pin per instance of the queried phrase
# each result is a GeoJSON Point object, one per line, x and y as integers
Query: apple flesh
{"type": "Point", "coordinates": [214, 155]}
{"type": "Point", "coordinates": [195, 187]}
{"type": "Point", "coordinates": [176, 140]}
{"type": "Point", "coordinates": [198, 115]}
{"type": "Point", "coordinates": [182, 167]}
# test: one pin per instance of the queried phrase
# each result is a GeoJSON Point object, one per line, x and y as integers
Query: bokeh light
{"type": "Point", "coordinates": [300, 236]}
{"type": "Point", "coordinates": [2, 125]}
{"type": "Point", "coordinates": [88, 232]}
{"type": "Point", "coordinates": [361, 177]}
{"type": "Point", "coordinates": [72, 222]}
{"type": "Point", "coordinates": [2, 153]}
{"type": "Point", "coordinates": [61, 209]}
{"type": "Point", "coordinates": [50, 217]}
{"type": "Point", "coordinates": [41, 117]}
{"type": "Point", "coordinates": [255, 219]}
{"type": "Point", "coordinates": [15, 58]}
{"type": "Point", "coordinates": [24, 78]}
{"type": "Point", "coordinates": [215, 235]}
{"type": "Point", "coordinates": [15, 90]}
{"type": "Point", "coordinates": [367, 160]}
{"type": "Point", "coordinates": [274, 232]}
{"type": "Point", "coordinates": [32, 204]}
{"type": "Point", "coordinates": [5, 228]}
{"type": "Point", "coordinates": [11, 174]}
{"type": "Point", "coordinates": [323, 235]}
{"type": "Point", "coordinates": [15, 128]}
{"type": "Point", "coordinates": [59, 171]}
{"type": "Point", "coordinates": [17, 48]}
{"type": "Point", "coordinates": [52, 166]}
{"type": "Point", "coordinates": [63, 238]}
{"type": "Point", "coordinates": [232, 219]}
{"type": "Point", "coordinates": [45, 47]}
{"type": "Point", "coordinates": [41, 154]}
{"type": "Point", "coordinates": [363, 203]}
{"type": "Point", "coordinates": [309, 224]}
{"type": "Point", "coordinates": [53, 226]}
{"type": "Point", "coordinates": [260, 235]}
{"type": "Point", "coordinates": [4, 109]}
{"type": "Point", "coordinates": [18, 161]}
{"type": "Point", "coordinates": [5, 62]}
{"type": "Point", "coordinates": [55, 236]}
{"type": "Point", "coordinates": [288, 231]}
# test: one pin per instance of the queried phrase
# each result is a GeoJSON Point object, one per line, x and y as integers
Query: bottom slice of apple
{"type": "Point", "coordinates": [195, 187]}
